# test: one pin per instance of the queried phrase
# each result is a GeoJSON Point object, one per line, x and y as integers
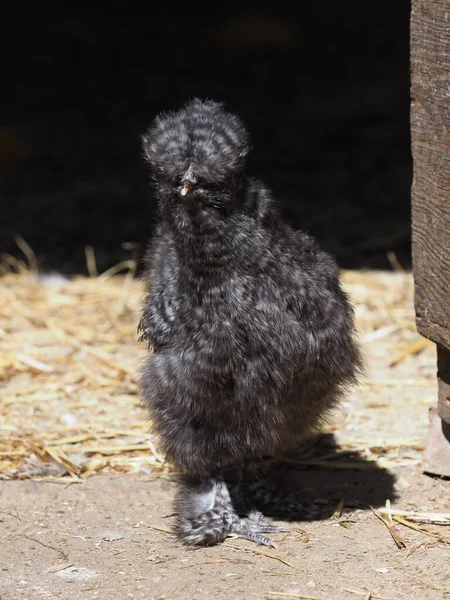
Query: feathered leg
{"type": "Point", "coordinates": [206, 514]}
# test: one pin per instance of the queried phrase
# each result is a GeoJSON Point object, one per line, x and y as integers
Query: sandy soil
{"type": "Point", "coordinates": [107, 538]}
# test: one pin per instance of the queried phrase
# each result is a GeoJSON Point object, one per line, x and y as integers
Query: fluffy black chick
{"type": "Point", "coordinates": [252, 335]}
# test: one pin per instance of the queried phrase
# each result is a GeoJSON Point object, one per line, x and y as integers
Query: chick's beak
{"type": "Point", "coordinates": [186, 189]}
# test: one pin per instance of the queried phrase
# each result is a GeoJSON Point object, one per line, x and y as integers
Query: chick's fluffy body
{"type": "Point", "coordinates": [252, 333]}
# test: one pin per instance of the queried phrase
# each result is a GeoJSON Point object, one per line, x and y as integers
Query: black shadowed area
{"type": "Point", "coordinates": [322, 87]}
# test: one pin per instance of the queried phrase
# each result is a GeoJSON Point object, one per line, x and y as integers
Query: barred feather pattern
{"type": "Point", "coordinates": [252, 334]}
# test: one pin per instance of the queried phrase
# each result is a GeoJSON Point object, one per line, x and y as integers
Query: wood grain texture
{"type": "Point", "coordinates": [430, 131]}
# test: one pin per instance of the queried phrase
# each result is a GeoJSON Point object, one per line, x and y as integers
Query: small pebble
{"type": "Point", "coordinates": [112, 537]}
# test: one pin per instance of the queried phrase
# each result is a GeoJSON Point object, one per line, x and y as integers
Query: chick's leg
{"type": "Point", "coordinates": [206, 515]}
{"type": "Point", "coordinates": [205, 511]}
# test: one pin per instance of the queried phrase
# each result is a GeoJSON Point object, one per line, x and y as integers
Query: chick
{"type": "Point", "coordinates": [252, 335]}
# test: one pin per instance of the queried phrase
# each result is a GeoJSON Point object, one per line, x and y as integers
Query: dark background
{"type": "Point", "coordinates": [323, 87]}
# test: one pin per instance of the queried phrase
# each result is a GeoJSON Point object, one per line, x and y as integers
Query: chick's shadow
{"type": "Point", "coordinates": [321, 474]}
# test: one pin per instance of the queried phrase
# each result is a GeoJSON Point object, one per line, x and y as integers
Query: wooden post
{"type": "Point", "coordinates": [430, 136]}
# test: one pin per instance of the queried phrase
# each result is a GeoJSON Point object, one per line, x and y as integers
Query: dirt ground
{"type": "Point", "coordinates": [103, 531]}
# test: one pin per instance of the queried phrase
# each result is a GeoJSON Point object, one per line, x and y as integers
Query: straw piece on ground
{"type": "Point", "coordinates": [412, 348]}
{"type": "Point", "coordinates": [399, 541]}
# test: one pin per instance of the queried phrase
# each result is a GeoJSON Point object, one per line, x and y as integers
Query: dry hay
{"type": "Point", "coordinates": [69, 356]}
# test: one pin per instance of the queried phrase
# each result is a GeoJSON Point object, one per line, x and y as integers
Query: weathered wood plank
{"type": "Point", "coordinates": [430, 131]}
